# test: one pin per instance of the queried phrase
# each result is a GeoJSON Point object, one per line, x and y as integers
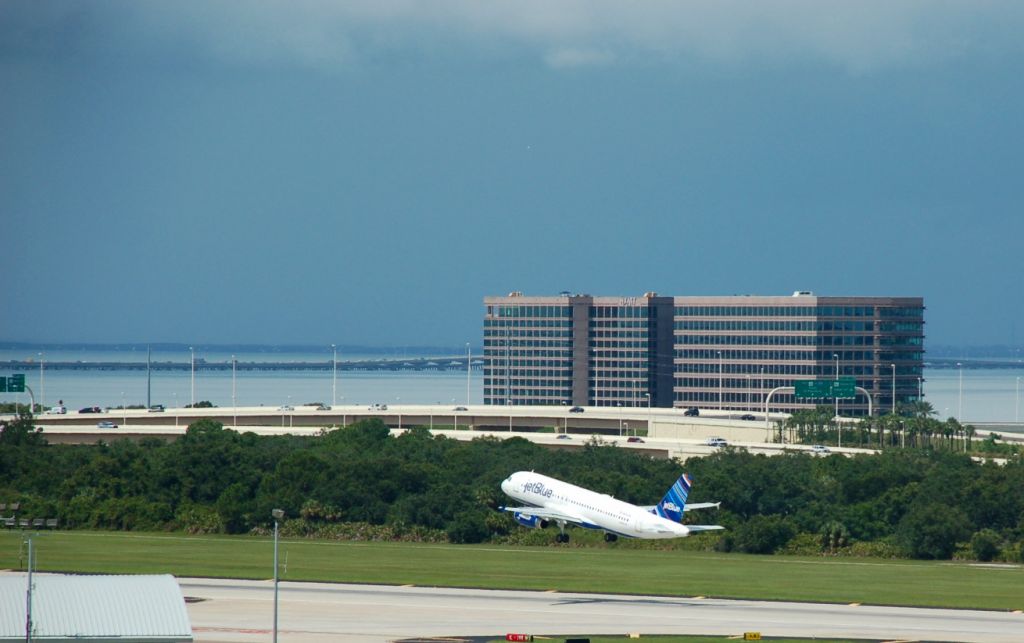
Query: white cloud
{"type": "Point", "coordinates": [859, 35]}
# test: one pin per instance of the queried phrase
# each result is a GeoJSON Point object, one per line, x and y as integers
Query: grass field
{"type": "Point", "coordinates": [608, 570]}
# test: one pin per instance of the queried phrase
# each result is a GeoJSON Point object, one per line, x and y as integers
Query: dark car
{"type": "Point", "coordinates": [747, 416]}
{"type": "Point", "coordinates": [693, 411]}
{"type": "Point", "coordinates": [460, 408]}
{"type": "Point", "coordinates": [91, 409]}
{"type": "Point", "coordinates": [156, 408]}
{"type": "Point", "coordinates": [576, 409]}
{"type": "Point", "coordinates": [634, 439]}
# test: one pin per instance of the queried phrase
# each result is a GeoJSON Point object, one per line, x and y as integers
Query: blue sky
{"type": "Point", "coordinates": [366, 172]}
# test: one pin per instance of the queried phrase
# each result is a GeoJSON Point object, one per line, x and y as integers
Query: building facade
{"type": "Point", "coordinates": [726, 353]}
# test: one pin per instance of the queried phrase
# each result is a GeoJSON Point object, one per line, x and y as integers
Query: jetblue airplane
{"type": "Point", "coordinates": [551, 500]}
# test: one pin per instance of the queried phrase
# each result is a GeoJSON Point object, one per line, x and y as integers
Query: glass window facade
{"type": "Point", "coordinates": [712, 352]}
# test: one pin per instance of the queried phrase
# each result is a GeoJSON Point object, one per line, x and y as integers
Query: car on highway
{"type": "Point", "coordinates": [693, 411]}
{"type": "Point", "coordinates": [634, 439]}
{"type": "Point", "coordinates": [563, 436]}
{"type": "Point", "coordinates": [576, 409]}
{"type": "Point", "coordinates": [377, 407]}
{"type": "Point", "coordinates": [286, 407]}
{"type": "Point", "coordinates": [820, 448]}
{"type": "Point", "coordinates": [747, 416]}
{"type": "Point", "coordinates": [106, 424]}
{"type": "Point", "coordinates": [56, 410]}
{"type": "Point", "coordinates": [91, 409]}
{"type": "Point", "coordinates": [323, 407]}
{"type": "Point", "coordinates": [716, 442]}
{"type": "Point", "coordinates": [156, 408]}
{"type": "Point", "coordinates": [460, 408]}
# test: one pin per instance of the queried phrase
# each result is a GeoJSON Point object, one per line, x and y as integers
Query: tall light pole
{"type": "Point", "coordinates": [234, 398]}
{"type": "Point", "coordinates": [960, 394]}
{"type": "Point", "coordinates": [893, 388]}
{"type": "Point", "coordinates": [278, 514]}
{"type": "Point", "coordinates": [835, 356]}
{"type": "Point", "coordinates": [42, 389]}
{"type": "Point", "coordinates": [720, 405]}
{"type": "Point", "coordinates": [649, 432]}
{"type": "Point", "coordinates": [28, 596]}
{"type": "Point", "coordinates": [192, 361]}
{"type": "Point", "coordinates": [124, 411]}
{"type": "Point", "coordinates": [469, 365]}
{"type": "Point", "coordinates": [748, 392]}
{"type": "Point", "coordinates": [334, 376]}
{"type": "Point", "coordinates": [1016, 405]}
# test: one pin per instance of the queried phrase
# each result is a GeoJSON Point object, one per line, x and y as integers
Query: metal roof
{"type": "Point", "coordinates": [108, 608]}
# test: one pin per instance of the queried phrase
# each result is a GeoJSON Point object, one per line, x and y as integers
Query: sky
{"type": "Point", "coordinates": [365, 172]}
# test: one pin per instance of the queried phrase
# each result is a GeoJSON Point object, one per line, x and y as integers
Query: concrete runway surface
{"type": "Point", "coordinates": [236, 611]}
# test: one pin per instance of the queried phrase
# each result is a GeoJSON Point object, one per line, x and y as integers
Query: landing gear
{"type": "Point", "coordinates": [610, 538]}
{"type": "Point", "coordinates": [562, 538]}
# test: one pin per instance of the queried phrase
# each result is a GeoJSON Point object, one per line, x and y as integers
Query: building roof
{"type": "Point", "coordinates": [66, 607]}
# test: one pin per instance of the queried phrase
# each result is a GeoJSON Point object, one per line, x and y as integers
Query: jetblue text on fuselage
{"type": "Point", "coordinates": [538, 488]}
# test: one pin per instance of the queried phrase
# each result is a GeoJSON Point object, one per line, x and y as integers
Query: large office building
{"type": "Point", "coordinates": [706, 352]}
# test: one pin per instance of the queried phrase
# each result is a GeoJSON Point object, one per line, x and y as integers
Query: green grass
{"type": "Point", "coordinates": [683, 639]}
{"type": "Point", "coordinates": [608, 570]}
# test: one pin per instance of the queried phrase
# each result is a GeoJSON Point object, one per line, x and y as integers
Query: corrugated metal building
{"type": "Point", "coordinates": [94, 608]}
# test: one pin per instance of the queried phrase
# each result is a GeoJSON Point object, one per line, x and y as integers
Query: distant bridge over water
{"type": "Point", "coordinates": [202, 365]}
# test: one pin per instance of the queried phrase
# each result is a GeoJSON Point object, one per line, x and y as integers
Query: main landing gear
{"type": "Point", "coordinates": [561, 538]}
{"type": "Point", "coordinates": [610, 538]}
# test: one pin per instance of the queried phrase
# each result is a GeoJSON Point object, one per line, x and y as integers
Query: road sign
{"type": "Point", "coordinates": [16, 383]}
{"type": "Point", "coordinates": [812, 388]}
{"type": "Point", "coordinates": [843, 387]}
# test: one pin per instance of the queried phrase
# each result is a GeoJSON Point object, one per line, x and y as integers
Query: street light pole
{"type": "Point", "coordinates": [1016, 406]}
{"type": "Point", "coordinates": [192, 361]}
{"type": "Point", "coordinates": [42, 389]}
{"type": "Point", "coordinates": [835, 356]}
{"type": "Point", "coordinates": [649, 432]}
{"type": "Point", "coordinates": [960, 394]}
{"type": "Point", "coordinates": [234, 398]}
{"type": "Point", "coordinates": [720, 405]}
{"type": "Point", "coordinates": [334, 376]}
{"type": "Point", "coordinates": [469, 366]}
{"type": "Point", "coordinates": [893, 388]}
{"type": "Point", "coordinates": [278, 514]}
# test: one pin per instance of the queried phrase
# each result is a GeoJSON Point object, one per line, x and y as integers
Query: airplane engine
{"type": "Point", "coordinates": [533, 522]}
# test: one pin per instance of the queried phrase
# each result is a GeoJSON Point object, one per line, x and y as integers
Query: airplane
{"type": "Point", "coordinates": [553, 501]}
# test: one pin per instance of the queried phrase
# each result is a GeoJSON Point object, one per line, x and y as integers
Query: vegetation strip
{"type": "Point", "coordinates": [565, 569]}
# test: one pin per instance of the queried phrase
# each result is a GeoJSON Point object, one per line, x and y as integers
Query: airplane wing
{"type": "Point", "coordinates": [696, 528]}
{"type": "Point", "coordinates": [546, 514]}
{"type": "Point", "coordinates": [689, 506]}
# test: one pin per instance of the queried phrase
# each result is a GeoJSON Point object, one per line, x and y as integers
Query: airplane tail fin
{"type": "Point", "coordinates": [674, 502]}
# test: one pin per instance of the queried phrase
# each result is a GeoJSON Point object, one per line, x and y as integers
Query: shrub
{"type": "Point", "coordinates": [985, 544]}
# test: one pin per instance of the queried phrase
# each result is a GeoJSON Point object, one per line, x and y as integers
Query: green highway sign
{"type": "Point", "coordinates": [843, 387]}
{"type": "Point", "coordinates": [812, 388]}
{"type": "Point", "coordinates": [16, 383]}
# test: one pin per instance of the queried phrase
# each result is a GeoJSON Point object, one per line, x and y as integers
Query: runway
{"type": "Point", "coordinates": [242, 611]}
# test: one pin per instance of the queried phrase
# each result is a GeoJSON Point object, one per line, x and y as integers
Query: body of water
{"type": "Point", "coordinates": [983, 395]}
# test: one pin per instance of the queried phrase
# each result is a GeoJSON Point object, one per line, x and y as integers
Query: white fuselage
{"type": "Point", "coordinates": [596, 510]}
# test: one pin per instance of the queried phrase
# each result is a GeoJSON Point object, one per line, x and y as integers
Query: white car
{"type": "Point", "coordinates": [106, 424]}
{"type": "Point", "coordinates": [820, 448]}
{"type": "Point", "coordinates": [286, 407]}
{"type": "Point", "coordinates": [716, 442]}
{"type": "Point", "coordinates": [57, 410]}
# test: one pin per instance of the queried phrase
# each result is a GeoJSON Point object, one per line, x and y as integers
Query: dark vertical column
{"type": "Point", "coordinates": [580, 349]}
{"type": "Point", "coordinates": [661, 349]}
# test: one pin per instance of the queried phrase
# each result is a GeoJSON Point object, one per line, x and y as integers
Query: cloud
{"type": "Point", "coordinates": [857, 36]}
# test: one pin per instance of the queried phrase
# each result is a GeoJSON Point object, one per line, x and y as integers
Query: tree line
{"type": "Point", "coordinates": [363, 482]}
